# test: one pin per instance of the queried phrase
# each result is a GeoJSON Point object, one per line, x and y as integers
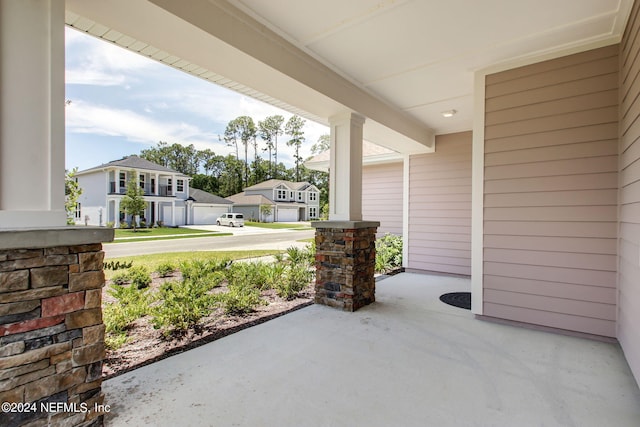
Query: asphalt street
{"type": "Point", "coordinates": [250, 238]}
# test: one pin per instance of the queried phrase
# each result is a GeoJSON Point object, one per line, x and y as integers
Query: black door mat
{"type": "Point", "coordinates": [457, 299]}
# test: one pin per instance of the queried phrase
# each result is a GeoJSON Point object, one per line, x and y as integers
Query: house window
{"type": "Point", "coordinates": [281, 195]}
{"type": "Point", "coordinates": [291, 195]}
{"type": "Point", "coordinates": [180, 185]}
{"type": "Point", "coordinates": [142, 181]}
{"type": "Point", "coordinates": [313, 212]}
{"type": "Point", "coordinates": [123, 179]}
{"type": "Point", "coordinates": [300, 196]}
{"type": "Point", "coordinates": [313, 196]}
{"type": "Point", "coordinates": [78, 212]}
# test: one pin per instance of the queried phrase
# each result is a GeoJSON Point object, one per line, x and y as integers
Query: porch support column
{"type": "Point", "coordinates": [32, 114]}
{"type": "Point", "coordinates": [117, 212]}
{"type": "Point", "coordinates": [345, 245]}
{"type": "Point", "coordinates": [345, 166]}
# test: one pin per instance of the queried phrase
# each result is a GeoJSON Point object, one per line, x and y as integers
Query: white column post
{"type": "Point", "coordinates": [117, 213]}
{"type": "Point", "coordinates": [156, 185]}
{"type": "Point", "coordinates": [345, 167]}
{"type": "Point", "coordinates": [117, 181]}
{"type": "Point", "coordinates": [173, 211]}
{"type": "Point", "coordinates": [173, 185]}
{"type": "Point", "coordinates": [32, 114]}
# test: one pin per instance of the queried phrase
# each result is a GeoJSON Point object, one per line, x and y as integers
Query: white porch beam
{"type": "Point", "coordinates": [32, 114]}
{"type": "Point", "coordinates": [345, 171]}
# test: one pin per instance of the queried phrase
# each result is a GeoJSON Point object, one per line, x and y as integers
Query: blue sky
{"type": "Point", "coordinates": [122, 102]}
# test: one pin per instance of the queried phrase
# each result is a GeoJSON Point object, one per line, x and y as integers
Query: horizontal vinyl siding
{"type": "Point", "coordinates": [550, 205]}
{"type": "Point", "coordinates": [629, 196]}
{"type": "Point", "coordinates": [382, 196]}
{"type": "Point", "coordinates": [440, 207]}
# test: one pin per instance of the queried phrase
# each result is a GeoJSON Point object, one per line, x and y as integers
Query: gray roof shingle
{"type": "Point", "coordinates": [132, 162]}
{"type": "Point", "coordinates": [201, 196]}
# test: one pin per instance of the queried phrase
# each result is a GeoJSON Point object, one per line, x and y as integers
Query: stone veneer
{"type": "Point", "coordinates": [51, 330]}
{"type": "Point", "coordinates": [345, 263]}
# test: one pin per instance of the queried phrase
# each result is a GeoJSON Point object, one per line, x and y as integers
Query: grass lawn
{"type": "Point", "coordinates": [277, 225]}
{"type": "Point", "coordinates": [154, 260]}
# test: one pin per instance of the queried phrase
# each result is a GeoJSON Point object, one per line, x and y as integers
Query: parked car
{"type": "Point", "coordinates": [231, 219]}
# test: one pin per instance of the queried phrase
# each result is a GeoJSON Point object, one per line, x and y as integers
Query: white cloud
{"type": "Point", "coordinates": [150, 112]}
{"type": "Point", "coordinates": [94, 62]}
{"type": "Point", "coordinates": [86, 118]}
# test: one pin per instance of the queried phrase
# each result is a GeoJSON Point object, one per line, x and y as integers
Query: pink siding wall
{"type": "Point", "coordinates": [629, 195]}
{"type": "Point", "coordinates": [550, 206]}
{"type": "Point", "coordinates": [382, 196]}
{"type": "Point", "coordinates": [440, 207]}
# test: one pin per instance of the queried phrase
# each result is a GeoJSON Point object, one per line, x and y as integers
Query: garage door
{"type": "Point", "coordinates": [287, 215]}
{"type": "Point", "coordinates": [166, 215]}
{"type": "Point", "coordinates": [207, 214]}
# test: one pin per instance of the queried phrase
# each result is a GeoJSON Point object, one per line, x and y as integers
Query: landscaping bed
{"type": "Point", "coordinates": [147, 344]}
{"type": "Point", "coordinates": [152, 316]}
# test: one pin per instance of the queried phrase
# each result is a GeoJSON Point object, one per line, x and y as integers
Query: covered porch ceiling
{"type": "Point", "coordinates": [400, 63]}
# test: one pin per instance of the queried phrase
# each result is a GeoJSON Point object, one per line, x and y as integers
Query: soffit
{"type": "Point", "coordinates": [420, 55]}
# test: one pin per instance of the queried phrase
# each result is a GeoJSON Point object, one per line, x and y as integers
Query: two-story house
{"type": "Point", "coordinates": [288, 201]}
{"type": "Point", "coordinates": [166, 191]}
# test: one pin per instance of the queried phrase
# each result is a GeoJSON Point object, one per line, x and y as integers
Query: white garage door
{"type": "Point", "coordinates": [166, 215]}
{"type": "Point", "coordinates": [287, 215]}
{"type": "Point", "coordinates": [207, 214]}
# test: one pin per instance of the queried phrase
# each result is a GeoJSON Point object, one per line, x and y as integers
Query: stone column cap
{"type": "Point", "coordinates": [345, 224]}
{"type": "Point", "coordinates": [27, 238]}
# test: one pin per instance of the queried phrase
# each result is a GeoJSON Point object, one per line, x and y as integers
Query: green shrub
{"type": "Point", "coordinates": [117, 265]}
{"type": "Point", "coordinates": [139, 276]}
{"type": "Point", "coordinates": [274, 274]}
{"type": "Point", "coordinates": [306, 255]}
{"type": "Point", "coordinates": [239, 300]}
{"type": "Point", "coordinates": [131, 304]}
{"type": "Point", "coordinates": [110, 224]}
{"type": "Point", "coordinates": [166, 269]}
{"type": "Point", "coordinates": [121, 278]}
{"type": "Point", "coordinates": [183, 304]}
{"type": "Point", "coordinates": [295, 278]}
{"type": "Point", "coordinates": [247, 274]}
{"type": "Point", "coordinates": [388, 253]}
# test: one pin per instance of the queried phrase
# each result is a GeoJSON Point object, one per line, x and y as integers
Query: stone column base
{"type": "Point", "coordinates": [51, 330]}
{"type": "Point", "coordinates": [345, 263]}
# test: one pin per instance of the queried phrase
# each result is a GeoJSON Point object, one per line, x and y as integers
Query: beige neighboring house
{"type": "Point", "coordinates": [287, 201]}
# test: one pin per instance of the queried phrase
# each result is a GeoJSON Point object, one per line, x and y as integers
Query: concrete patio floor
{"type": "Point", "coordinates": [407, 360]}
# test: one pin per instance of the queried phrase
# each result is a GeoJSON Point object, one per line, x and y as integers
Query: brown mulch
{"type": "Point", "coordinates": [147, 345]}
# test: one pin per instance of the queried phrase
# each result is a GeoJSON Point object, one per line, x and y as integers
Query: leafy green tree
{"type": "Point", "coordinates": [265, 211]}
{"type": "Point", "coordinates": [270, 128]}
{"type": "Point", "coordinates": [244, 129]}
{"type": "Point", "coordinates": [184, 159]}
{"type": "Point", "coordinates": [293, 129]}
{"type": "Point", "coordinates": [323, 144]}
{"type": "Point", "coordinates": [160, 154]}
{"type": "Point", "coordinates": [72, 192]}
{"type": "Point", "coordinates": [133, 202]}
{"type": "Point", "coordinates": [208, 183]}
{"type": "Point", "coordinates": [231, 179]}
